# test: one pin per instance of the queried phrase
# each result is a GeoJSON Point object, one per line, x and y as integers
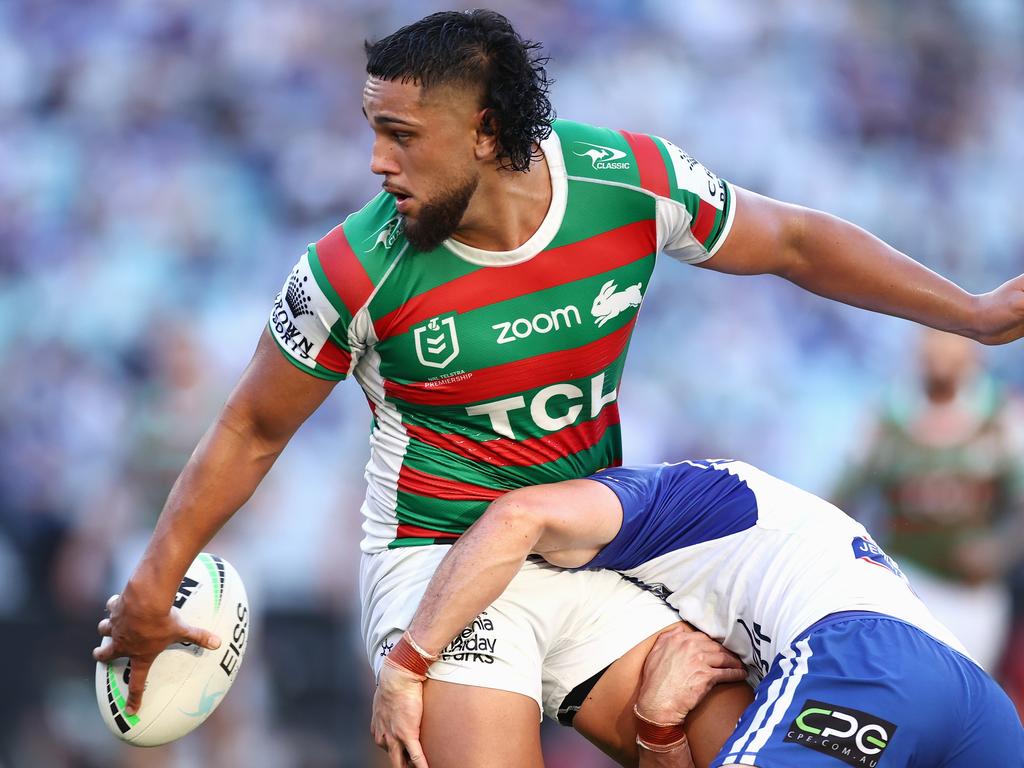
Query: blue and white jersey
{"type": "Point", "coordinates": [749, 559]}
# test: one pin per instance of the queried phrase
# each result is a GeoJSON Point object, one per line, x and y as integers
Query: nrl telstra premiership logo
{"type": "Point", "coordinates": [602, 158]}
{"type": "Point", "coordinates": [437, 342]}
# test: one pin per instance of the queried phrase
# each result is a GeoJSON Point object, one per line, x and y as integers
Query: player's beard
{"type": "Point", "coordinates": [438, 219]}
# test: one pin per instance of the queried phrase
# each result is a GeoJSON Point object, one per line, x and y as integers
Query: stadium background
{"type": "Point", "coordinates": [163, 164]}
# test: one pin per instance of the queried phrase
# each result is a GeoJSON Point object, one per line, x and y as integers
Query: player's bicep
{"type": "Point", "coordinates": [579, 518]}
{"type": "Point", "coordinates": [763, 237]}
{"type": "Point", "coordinates": [273, 397]}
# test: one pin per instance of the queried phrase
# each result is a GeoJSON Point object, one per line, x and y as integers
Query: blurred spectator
{"type": "Point", "coordinates": [944, 462]}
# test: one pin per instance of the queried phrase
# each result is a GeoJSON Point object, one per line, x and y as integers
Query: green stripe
{"type": "Point", "coordinates": [414, 542]}
{"type": "Point", "coordinates": [578, 138]}
{"type": "Point", "coordinates": [441, 463]}
{"type": "Point", "coordinates": [118, 697]}
{"type": "Point", "coordinates": [409, 278]}
{"type": "Point", "coordinates": [438, 514]}
{"type": "Point", "coordinates": [599, 208]}
{"type": "Point", "coordinates": [455, 516]}
{"type": "Point", "coordinates": [319, 371]}
{"type": "Point", "coordinates": [398, 353]}
{"type": "Point", "coordinates": [211, 568]}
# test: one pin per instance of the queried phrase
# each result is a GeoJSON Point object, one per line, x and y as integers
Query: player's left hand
{"type": "Point", "coordinates": [682, 667]}
{"type": "Point", "coordinates": [397, 714]}
{"type": "Point", "coordinates": [1000, 314]}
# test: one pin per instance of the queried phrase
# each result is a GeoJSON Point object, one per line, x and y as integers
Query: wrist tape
{"type": "Point", "coordinates": [658, 737]}
{"type": "Point", "coordinates": [409, 656]}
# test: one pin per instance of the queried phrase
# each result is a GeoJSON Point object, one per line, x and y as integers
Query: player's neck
{"type": "Point", "coordinates": [507, 208]}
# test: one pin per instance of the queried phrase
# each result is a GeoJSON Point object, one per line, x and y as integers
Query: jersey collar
{"type": "Point", "coordinates": [552, 149]}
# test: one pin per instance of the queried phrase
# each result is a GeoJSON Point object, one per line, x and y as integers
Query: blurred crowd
{"type": "Point", "coordinates": [163, 164]}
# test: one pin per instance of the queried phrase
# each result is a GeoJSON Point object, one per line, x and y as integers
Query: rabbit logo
{"type": "Point", "coordinates": [609, 304]}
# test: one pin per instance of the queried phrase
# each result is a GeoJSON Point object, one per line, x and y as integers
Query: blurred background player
{"type": "Point", "coordinates": [944, 469]}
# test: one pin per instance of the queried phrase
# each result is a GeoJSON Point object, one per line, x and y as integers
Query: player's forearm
{"type": "Point", "coordinates": [220, 476]}
{"type": "Point", "coordinates": [841, 261]}
{"type": "Point", "coordinates": [473, 574]}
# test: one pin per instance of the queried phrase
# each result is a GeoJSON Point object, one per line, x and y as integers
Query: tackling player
{"type": "Point", "coordinates": [849, 663]}
{"type": "Point", "coordinates": [484, 301]}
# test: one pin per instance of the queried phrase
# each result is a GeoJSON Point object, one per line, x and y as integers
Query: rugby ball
{"type": "Point", "coordinates": [186, 682]}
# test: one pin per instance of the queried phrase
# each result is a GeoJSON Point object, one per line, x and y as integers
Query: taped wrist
{"type": "Point", "coordinates": [409, 656]}
{"type": "Point", "coordinates": [658, 737]}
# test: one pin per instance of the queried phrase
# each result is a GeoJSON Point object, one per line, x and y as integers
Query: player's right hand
{"type": "Point", "coordinates": [682, 667]}
{"type": "Point", "coordinates": [141, 635]}
{"type": "Point", "coordinates": [397, 715]}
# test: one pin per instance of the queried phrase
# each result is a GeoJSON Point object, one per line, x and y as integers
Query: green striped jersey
{"type": "Point", "coordinates": [486, 371]}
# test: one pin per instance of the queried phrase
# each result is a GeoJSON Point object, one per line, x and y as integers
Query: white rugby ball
{"type": "Point", "coordinates": [186, 682]}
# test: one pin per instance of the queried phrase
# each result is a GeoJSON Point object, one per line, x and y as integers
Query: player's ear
{"type": "Point", "coordinates": [486, 134]}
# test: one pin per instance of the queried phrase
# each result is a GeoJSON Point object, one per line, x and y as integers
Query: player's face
{"type": "Point", "coordinates": [427, 146]}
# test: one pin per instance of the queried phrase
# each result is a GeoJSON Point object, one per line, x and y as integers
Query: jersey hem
{"type": "Point", "coordinates": [730, 215]}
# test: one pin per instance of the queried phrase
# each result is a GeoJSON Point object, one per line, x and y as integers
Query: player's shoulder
{"type": "Point", "coordinates": [641, 161]}
{"type": "Point", "coordinates": [357, 253]}
{"type": "Point", "coordinates": [604, 155]}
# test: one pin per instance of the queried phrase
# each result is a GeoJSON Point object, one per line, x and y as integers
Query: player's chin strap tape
{"type": "Point", "coordinates": [409, 656]}
{"type": "Point", "coordinates": [658, 737]}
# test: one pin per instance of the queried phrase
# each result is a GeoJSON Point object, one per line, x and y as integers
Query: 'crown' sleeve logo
{"type": "Point", "coordinates": [297, 298]}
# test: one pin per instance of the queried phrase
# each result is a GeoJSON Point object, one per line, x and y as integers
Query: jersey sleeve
{"type": "Point", "coordinates": [694, 207]}
{"type": "Point", "coordinates": [310, 329]}
{"type": "Point", "coordinates": [666, 507]}
{"type": "Point", "coordinates": [634, 487]}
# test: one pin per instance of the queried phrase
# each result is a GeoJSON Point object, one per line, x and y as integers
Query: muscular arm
{"type": "Point", "coordinates": [566, 523]}
{"type": "Point", "coordinates": [838, 260]}
{"type": "Point", "coordinates": [270, 402]}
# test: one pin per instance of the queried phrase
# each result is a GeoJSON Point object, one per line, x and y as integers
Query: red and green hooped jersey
{"type": "Point", "coordinates": [486, 371]}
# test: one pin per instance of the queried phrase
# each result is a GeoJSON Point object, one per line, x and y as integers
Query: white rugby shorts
{"type": "Point", "coordinates": [551, 630]}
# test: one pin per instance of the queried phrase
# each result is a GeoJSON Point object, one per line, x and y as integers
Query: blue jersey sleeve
{"type": "Point", "coordinates": [666, 507]}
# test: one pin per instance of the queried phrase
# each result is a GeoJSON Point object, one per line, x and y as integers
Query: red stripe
{"type": "Point", "coordinates": [558, 266]}
{"type": "Point", "coordinates": [704, 222]}
{"type": "Point", "coordinates": [432, 486]}
{"type": "Point", "coordinates": [503, 452]}
{"type": "Point", "coordinates": [406, 531]}
{"type": "Point", "coordinates": [509, 378]}
{"type": "Point", "coordinates": [653, 174]}
{"type": "Point", "coordinates": [334, 358]}
{"type": "Point", "coordinates": [344, 271]}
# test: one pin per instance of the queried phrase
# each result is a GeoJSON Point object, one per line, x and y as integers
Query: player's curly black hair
{"type": "Point", "coordinates": [479, 46]}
